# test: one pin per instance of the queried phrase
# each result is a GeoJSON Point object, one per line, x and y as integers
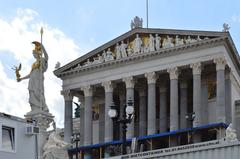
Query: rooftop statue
{"type": "Point", "coordinates": [55, 147]}
{"type": "Point", "coordinates": [36, 79]}
{"type": "Point", "coordinates": [226, 27]}
{"type": "Point", "coordinates": [136, 23]}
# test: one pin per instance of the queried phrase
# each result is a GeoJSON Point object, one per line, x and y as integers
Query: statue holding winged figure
{"type": "Point", "coordinates": [36, 78]}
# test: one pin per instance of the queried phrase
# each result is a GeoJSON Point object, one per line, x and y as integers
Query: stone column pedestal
{"type": "Point", "coordinates": [42, 120]}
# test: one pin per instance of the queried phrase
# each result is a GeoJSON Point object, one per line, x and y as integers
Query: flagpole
{"type": "Point", "coordinates": [147, 11]}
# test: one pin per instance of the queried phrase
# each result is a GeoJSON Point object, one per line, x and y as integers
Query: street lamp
{"type": "Point", "coordinates": [76, 138]}
{"type": "Point", "coordinates": [126, 119]}
{"type": "Point", "coordinates": [190, 117]}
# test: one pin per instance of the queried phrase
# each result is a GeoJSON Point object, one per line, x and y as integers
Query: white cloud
{"type": "Point", "coordinates": [16, 37]}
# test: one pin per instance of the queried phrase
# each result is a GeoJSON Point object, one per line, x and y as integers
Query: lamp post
{"type": "Point", "coordinates": [126, 119]}
{"type": "Point", "coordinates": [76, 138]}
{"type": "Point", "coordinates": [190, 117]}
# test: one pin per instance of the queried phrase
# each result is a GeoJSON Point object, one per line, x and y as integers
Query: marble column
{"type": "Point", "coordinates": [196, 70]}
{"type": "Point", "coordinates": [228, 97]}
{"type": "Point", "coordinates": [88, 97]}
{"type": "Point", "coordinates": [81, 99]}
{"type": "Point", "coordinates": [142, 112]}
{"type": "Point", "coordinates": [163, 108]}
{"type": "Point", "coordinates": [151, 108]}
{"type": "Point", "coordinates": [173, 74]}
{"type": "Point", "coordinates": [68, 122]}
{"type": "Point", "coordinates": [204, 93]}
{"type": "Point", "coordinates": [108, 125]}
{"type": "Point", "coordinates": [183, 104]}
{"type": "Point", "coordinates": [129, 82]}
{"type": "Point", "coordinates": [220, 68]}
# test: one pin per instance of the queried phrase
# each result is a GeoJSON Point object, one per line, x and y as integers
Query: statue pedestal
{"type": "Point", "coordinates": [42, 120]}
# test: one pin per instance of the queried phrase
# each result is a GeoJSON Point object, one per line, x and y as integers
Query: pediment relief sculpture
{"type": "Point", "coordinates": [145, 43]}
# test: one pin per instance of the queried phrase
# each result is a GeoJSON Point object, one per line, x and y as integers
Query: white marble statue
{"type": "Point", "coordinates": [188, 40]}
{"type": "Point", "coordinates": [98, 59]}
{"type": "Point", "coordinates": [55, 147]}
{"type": "Point", "coordinates": [104, 55]}
{"type": "Point", "coordinates": [231, 134]}
{"type": "Point", "coordinates": [198, 38]}
{"type": "Point", "coordinates": [87, 63]}
{"type": "Point", "coordinates": [167, 42]}
{"type": "Point", "coordinates": [157, 42]}
{"type": "Point", "coordinates": [129, 51]}
{"type": "Point", "coordinates": [36, 79]}
{"type": "Point", "coordinates": [137, 44]}
{"type": "Point", "coordinates": [151, 43]}
{"type": "Point", "coordinates": [118, 51]}
{"type": "Point", "coordinates": [123, 48]}
{"type": "Point", "coordinates": [178, 41]}
{"type": "Point", "coordinates": [109, 55]}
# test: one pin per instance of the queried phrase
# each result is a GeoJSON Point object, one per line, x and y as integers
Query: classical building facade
{"type": "Point", "coordinates": [184, 85]}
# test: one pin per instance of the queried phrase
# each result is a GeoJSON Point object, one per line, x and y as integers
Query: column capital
{"type": "Point", "coordinates": [173, 73]}
{"type": "Point", "coordinates": [151, 77]}
{"type": "Point", "coordinates": [67, 94]}
{"type": "Point", "coordinates": [196, 68]}
{"type": "Point", "coordinates": [87, 90]}
{"type": "Point", "coordinates": [129, 81]}
{"type": "Point", "coordinates": [220, 63]}
{"type": "Point", "coordinates": [108, 86]}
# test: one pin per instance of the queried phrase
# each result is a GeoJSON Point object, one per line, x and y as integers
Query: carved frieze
{"type": "Point", "coordinates": [141, 43]}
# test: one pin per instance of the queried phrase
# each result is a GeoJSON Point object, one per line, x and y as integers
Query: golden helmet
{"type": "Point", "coordinates": [37, 48]}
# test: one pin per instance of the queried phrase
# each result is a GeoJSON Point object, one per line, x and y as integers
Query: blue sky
{"type": "Point", "coordinates": [74, 27]}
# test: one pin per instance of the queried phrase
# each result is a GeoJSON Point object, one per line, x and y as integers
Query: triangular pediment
{"type": "Point", "coordinates": [139, 41]}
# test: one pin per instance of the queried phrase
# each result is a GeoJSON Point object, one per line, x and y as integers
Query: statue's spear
{"type": "Point", "coordinates": [41, 70]}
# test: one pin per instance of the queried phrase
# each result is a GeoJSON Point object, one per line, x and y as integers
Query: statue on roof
{"type": "Point", "coordinates": [36, 79]}
{"type": "Point", "coordinates": [136, 23]}
{"type": "Point", "coordinates": [226, 27]}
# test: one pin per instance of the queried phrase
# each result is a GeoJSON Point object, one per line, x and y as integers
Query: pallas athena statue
{"type": "Point", "coordinates": [36, 79]}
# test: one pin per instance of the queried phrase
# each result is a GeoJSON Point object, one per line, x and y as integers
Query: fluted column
{"type": "Point", "coordinates": [163, 108]}
{"type": "Point", "coordinates": [142, 112]}
{"type": "Point", "coordinates": [68, 122]}
{"type": "Point", "coordinates": [220, 68]}
{"type": "Point", "coordinates": [108, 125]}
{"type": "Point", "coordinates": [183, 104]}
{"type": "Point", "coordinates": [151, 124]}
{"type": "Point", "coordinates": [82, 105]}
{"type": "Point", "coordinates": [173, 74]}
{"type": "Point", "coordinates": [228, 97]}
{"type": "Point", "coordinates": [196, 70]}
{"type": "Point", "coordinates": [129, 82]}
{"type": "Point", "coordinates": [88, 115]}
